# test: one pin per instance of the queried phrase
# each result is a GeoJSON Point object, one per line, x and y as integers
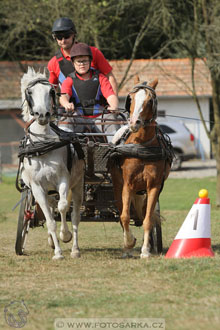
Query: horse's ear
{"type": "Point", "coordinates": [136, 79]}
{"type": "Point", "coordinates": [153, 83]}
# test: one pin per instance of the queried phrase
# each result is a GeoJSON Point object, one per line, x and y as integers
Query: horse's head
{"type": "Point", "coordinates": [143, 108]}
{"type": "Point", "coordinates": [39, 97]}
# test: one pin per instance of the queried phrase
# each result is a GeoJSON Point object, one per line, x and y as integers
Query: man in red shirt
{"type": "Point", "coordinates": [85, 90]}
{"type": "Point", "coordinates": [64, 32]}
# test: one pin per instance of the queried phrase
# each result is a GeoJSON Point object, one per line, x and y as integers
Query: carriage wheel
{"type": "Point", "coordinates": [156, 235]}
{"type": "Point", "coordinates": [24, 218]}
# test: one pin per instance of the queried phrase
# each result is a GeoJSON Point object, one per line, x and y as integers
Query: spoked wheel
{"type": "Point", "coordinates": [156, 235]}
{"type": "Point", "coordinates": [24, 218]}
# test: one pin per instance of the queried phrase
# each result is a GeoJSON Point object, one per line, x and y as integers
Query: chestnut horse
{"type": "Point", "coordinates": [141, 174]}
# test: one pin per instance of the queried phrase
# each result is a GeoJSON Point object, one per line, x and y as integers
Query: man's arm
{"type": "Point", "coordinates": [113, 82]}
{"type": "Point", "coordinates": [113, 102]}
{"type": "Point", "coordinates": [53, 68]}
{"type": "Point", "coordinates": [100, 63]}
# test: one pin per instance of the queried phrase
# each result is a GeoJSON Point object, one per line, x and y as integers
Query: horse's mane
{"type": "Point", "coordinates": [25, 80]}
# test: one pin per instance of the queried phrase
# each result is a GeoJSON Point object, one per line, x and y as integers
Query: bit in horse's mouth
{"type": "Point", "coordinates": [134, 129]}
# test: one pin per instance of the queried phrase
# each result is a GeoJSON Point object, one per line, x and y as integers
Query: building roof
{"type": "Point", "coordinates": [174, 76]}
{"type": "Point", "coordinates": [10, 77]}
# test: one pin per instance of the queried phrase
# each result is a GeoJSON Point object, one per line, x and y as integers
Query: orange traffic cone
{"type": "Point", "coordinates": [194, 237]}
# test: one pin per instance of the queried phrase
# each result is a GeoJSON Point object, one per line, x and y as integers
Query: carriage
{"type": "Point", "coordinates": [98, 204]}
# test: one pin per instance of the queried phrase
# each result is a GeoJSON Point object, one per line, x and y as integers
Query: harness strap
{"type": "Point", "coordinates": [70, 122]}
{"type": "Point", "coordinates": [19, 187]}
{"type": "Point", "coordinates": [66, 66]}
{"type": "Point", "coordinates": [144, 86]}
{"type": "Point", "coordinates": [27, 125]}
{"type": "Point", "coordinates": [71, 137]}
{"type": "Point", "coordinates": [29, 100]}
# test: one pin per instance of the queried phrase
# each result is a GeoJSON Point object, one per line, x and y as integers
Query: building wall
{"type": "Point", "coordinates": [10, 135]}
{"type": "Point", "coordinates": [186, 107]}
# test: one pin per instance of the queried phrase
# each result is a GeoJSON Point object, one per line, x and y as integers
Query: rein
{"type": "Point", "coordinates": [28, 124]}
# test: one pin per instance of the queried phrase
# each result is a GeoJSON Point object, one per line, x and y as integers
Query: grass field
{"type": "Point", "coordinates": [184, 292]}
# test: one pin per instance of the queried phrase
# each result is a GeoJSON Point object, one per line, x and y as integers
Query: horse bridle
{"type": "Point", "coordinates": [136, 88]}
{"type": "Point", "coordinates": [28, 93]}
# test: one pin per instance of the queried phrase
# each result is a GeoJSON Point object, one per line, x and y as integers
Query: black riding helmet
{"type": "Point", "coordinates": [63, 24]}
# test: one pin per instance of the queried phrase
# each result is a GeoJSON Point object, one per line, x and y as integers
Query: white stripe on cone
{"type": "Point", "coordinates": [197, 223]}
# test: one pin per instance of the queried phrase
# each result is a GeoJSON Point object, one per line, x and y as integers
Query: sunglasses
{"type": "Point", "coordinates": [63, 36]}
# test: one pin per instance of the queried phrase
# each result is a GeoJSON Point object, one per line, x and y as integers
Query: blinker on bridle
{"type": "Point", "coordinates": [136, 88]}
{"type": "Point", "coordinates": [28, 93]}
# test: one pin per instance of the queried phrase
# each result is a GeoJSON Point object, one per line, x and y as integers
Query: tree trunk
{"type": "Point", "coordinates": [215, 135]}
{"type": "Point", "coordinates": [218, 183]}
{"type": "Point", "coordinates": [216, 151]}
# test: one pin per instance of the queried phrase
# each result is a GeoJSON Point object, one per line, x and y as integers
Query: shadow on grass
{"type": "Point", "coordinates": [195, 168]}
{"type": "Point", "coordinates": [115, 253]}
{"type": "Point", "coordinates": [216, 248]}
{"type": "Point", "coordinates": [112, 252]}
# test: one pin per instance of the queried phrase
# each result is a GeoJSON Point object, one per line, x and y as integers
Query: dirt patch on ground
{"type": "Point", "coordinates": [190, 169]}
{"type": "Point", "coordinates": [196, 169]}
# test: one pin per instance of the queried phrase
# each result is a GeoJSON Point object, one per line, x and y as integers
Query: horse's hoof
{"type": "Point", "coordinates": [58, 257]}
{"type": "Point", "coordinates": [145, 255]}
{"type": "Point", "coordinates": [66, 237]}
{"type": "Point", "coordinates": [131, 245]}
{"type": "Point", "coordinates": [75, 254]}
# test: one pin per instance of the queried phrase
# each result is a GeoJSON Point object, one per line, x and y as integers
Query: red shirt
{"type": "Point", "coordinates": [99, 62]}
{"type": "Point", "coordinates": [105, 85]}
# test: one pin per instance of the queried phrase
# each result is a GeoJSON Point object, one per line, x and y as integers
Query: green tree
{"type": "Point", "coordinates": [114, 26]}
{"type": "Point", "coordinates": [192, 30]}
{"type": "Point", "coordinates": [121, 29]}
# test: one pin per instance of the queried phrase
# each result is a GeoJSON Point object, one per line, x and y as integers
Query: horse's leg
{"type": "Point", "coordinates": [77, 197]}
{"type": "Point", "coordinates": [148, 222]}
{"type": "Point", "coordinates": [65, 234]}
{"type": "Point", "coordinates": [53, 204]}
{"type": "Point", "coordinates": [41, 198]}
{"type": "Point", "coordinates": [117, 188]}
{"type": "Point", "coordinates": [129, 239]}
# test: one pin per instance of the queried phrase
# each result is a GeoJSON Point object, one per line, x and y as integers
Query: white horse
{"type": "Point", "coordinates": [42, 173]}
